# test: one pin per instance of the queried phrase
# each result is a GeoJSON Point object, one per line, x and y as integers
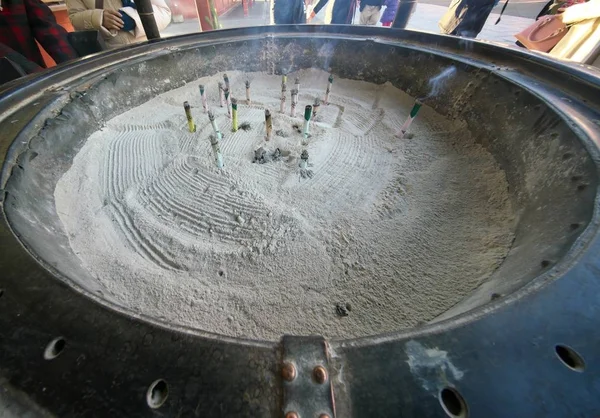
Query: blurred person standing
{"type": "Point", "coordinates": [582, 41]}
{"type": "Point", "coordinates": [117, 20]}
{"type": "Point", "coordinates": [289, 12]}
{"type": "Point", "coordinates": [342, 14]}
{"type": "Point", "coordinates": [466, 17]}
{"type": "Point", "coordinates": [370, 11]}
{"type": "Point", "coordinates": [388, 15]}
{"type": "Point", "coordinates": [22, 22]}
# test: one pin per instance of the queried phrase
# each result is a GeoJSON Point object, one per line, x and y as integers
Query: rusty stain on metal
{"type": "Point", "coordinates": [291, 414]}
{"type": "Point", "coordinates": [288, 372]}
{"type": "Point", "coordinates": [320, 374]}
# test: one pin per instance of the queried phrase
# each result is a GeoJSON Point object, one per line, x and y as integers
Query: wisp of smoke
{"type": "Point", "coordinates": [326, 53]}
{"type": "Point", "coordinates": [436, 83]}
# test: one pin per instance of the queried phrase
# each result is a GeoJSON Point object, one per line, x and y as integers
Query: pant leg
{"type": "Point", "coordinates": [369, 15]}
{"type": "Point", "coordinates": [375, 14]}
{"type": "Point", "coordinates": [364, 16]}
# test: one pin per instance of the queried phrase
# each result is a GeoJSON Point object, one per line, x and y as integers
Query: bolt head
{"type": "Point", "coordinates": [292, 414]}
{"type": "Point", "coordinates": [288, 372]}
{"type": "Point", "coordinates": [320, 374]}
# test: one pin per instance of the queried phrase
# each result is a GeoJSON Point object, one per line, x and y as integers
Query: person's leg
{"type": "Point", "coordinates": [369, 15]}
{"type": "Point", "coordinates": [375, 14]}
{"type": "Point", "coordinates": [364, 16]}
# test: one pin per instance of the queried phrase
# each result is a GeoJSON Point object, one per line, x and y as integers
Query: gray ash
{"type": "Point", "coordinates": [263, 156]}
{"type": "Point", "coordinates": [342, 309]}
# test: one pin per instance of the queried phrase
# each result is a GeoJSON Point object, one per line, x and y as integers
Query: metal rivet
{"type": "Point", "coordinates": [288, 372]}
{"type": "Point", "coordinates": [320, 374]}
{"type": "Point", "coordinates": [291, 414]}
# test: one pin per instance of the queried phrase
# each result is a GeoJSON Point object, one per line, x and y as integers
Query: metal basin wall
{"type": "Point", "coordinates": [541, 129]}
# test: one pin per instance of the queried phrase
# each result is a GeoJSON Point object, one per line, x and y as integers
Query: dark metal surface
{"type": "Point", "coordinates": [146, 12]}
{"type": "Point", "coordinates": [405, 10]}
{"type": "Point", "coordinates": [541, 121]}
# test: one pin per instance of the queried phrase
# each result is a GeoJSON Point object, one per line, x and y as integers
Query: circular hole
{"type": "Point", "coordinates": [453, 403]}
{"type": "Point", "coordinates": [54, 348]}
{"type": "Point", "coordinates": [570, 358]}
{"type": "Point", "coordinates": [567, 155]}
{"type": "Point", "coordinates": [582, 187]}
{"type": "Point", "coordinates": [574, 226]}
{"type": "Point", "coordinates": [221, 273]}
{"type": "Point", "coordinates": [545, 263]}
{"type": "Point", "coordinates": [157, 394]}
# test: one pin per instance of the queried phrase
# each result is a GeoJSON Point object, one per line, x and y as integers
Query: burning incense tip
{"type": "Point", "coordinates": [203, 97]}
{"type": "Point", "coordinates": [294, 102]}
{"type": "Point", "coordinates": [226, 79]}
{"type": "Point", "coordinates": [214, 142]}
{"type": "Point", "coordinates": [188, 115]}
{"type": "Point", "coordinates": [213, 122]}
{"type": "Point", "coordinates": [306, 128]}
{"type": "Point", "coordinates": [227, 102]}
{"type": "Point", "coordinates": [268, 124]}
{"type": "Point", "coordinates": [411, 117]}
{"type": "Point", "coordinates": [328, 91]}
{"type": "Point", "coordinates": [234, 119]}
{"type": "Point", "coordinates": [282, 98]}
{"type": "Point", "coordinates": [316, 106]}
{"type": "Point", "coordinates": [248, 101]}
{"type": "Point", "coordinates": [221, 94]}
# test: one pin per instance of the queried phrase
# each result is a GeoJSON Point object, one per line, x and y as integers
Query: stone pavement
{"type": "Point", "coordinates": [425, 18]}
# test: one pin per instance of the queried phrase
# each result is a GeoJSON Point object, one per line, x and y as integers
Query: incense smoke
{"type": "Point", "coordinates": [436, 83]}
{"type": "Point", "coordinates": [326, 53]}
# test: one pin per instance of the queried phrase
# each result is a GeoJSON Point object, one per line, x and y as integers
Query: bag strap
{"type": "Point", "coordinates": [99, 4]}
{"type": "Point", "coordinates": [501, 12]}
{"type": "Point", "coordinates": [540, 26]}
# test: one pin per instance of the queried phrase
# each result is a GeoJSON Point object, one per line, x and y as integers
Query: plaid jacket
{"type": "Point", "coordinates": [22, 22]}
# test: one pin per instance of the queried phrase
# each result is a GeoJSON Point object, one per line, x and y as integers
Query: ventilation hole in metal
{"type": "Point", "coordinates": [570, 358]}
{"type": "Point", "coordinates": [157, 394]}
{"type": "Point", "coordinates": [54, 348]}
{"type": "Point", "coordinates": [453, 403]}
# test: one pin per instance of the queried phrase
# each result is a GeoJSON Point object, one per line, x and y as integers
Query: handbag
{"type": "Point", "coordinates": [544, 34]}
{"type": "Point", "coordinates": [86, 42]}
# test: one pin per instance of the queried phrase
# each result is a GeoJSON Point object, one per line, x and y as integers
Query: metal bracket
{"type": "Point", "coordinates": [305, 368]}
